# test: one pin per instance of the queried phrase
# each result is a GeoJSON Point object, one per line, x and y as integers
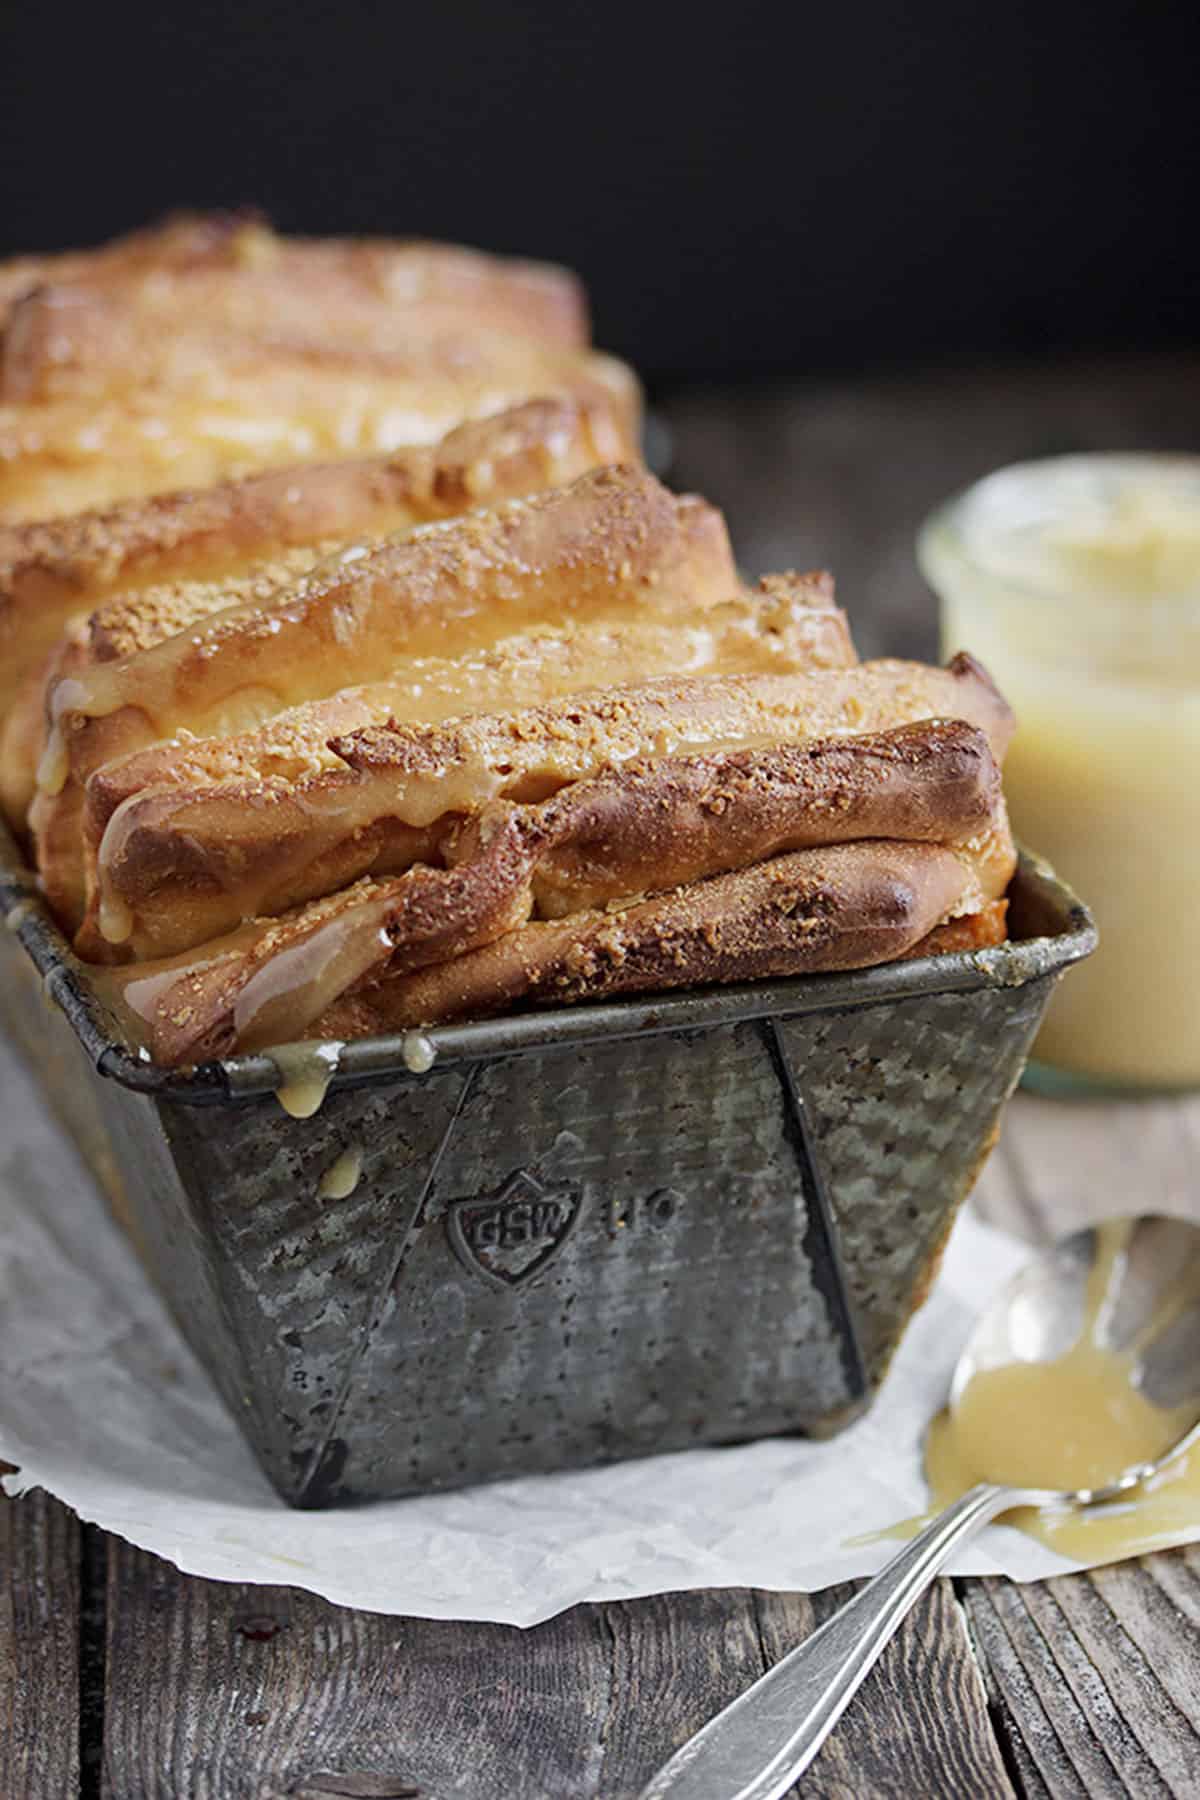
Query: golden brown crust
{"type": "Point", "coordinates": [614, 543]}
{"type": "Point", "coordinates": [241, 241]}
{"type": "Point", "coordinates": [61, 345]}
{"type": "Point", "coordinates": [631, 831]}
{"type": "Point", "coordinates": [51, 572]}
{"type": "Point", "coordinates": [663, 824]}
{"type": "Point", "coordinates": [566, 740]}
{"type": "Point", "coordinates": [750, 632]}
{"type": "Point", "coordinates": [150, 615]}
{"type": "Point", "coordinates": [810, 912]}
{"type": "Point", "coordinates": [74, 324]}
{"type": "Point", "coordinates": [274, 406]}
{"type": "Point", "coordinates": [265, 811]}
{"type": "Point", "coordinates": [534, 446]}
{"type": "Point", "coordinates": [813, 910]}
{"type": "Point", "coordinates": [168, 860]}
{"type": "Point", "coordinates": [179, 239]}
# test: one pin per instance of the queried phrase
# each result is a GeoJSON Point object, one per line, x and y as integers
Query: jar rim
{"type": "Point", "coordinates": [1038, 476]}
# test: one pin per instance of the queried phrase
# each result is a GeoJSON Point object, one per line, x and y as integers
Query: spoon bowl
{"type": "Point", "coordinates": [1116, 1303]}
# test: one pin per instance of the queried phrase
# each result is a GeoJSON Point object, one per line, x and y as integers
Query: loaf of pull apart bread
{"type": "Point", "coordinates": [484, 719]}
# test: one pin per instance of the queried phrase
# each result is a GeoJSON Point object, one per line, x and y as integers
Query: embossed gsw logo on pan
{"type": "Point", "coordinates": [512, 1236]}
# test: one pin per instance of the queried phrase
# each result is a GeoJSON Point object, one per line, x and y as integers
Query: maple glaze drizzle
{"type": "Point", "coordinates": [306, 1071]}
{"type": "Point", "coordinates": [419, 1053]}
{"type": "Point", "coordinates": [341, 1177]}
{"type": "Point", "coordinates": [1078, 1421]}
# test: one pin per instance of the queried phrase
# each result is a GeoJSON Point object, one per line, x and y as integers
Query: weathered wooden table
{"type": "Point", "coordinates": [121, 1678]}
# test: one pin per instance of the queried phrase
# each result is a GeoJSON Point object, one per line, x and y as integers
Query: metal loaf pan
{"type": "Point", "coordinates": [581, 1235]}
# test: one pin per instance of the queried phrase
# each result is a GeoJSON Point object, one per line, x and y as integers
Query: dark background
{"type": "Point", "coordinates": [749, 189]}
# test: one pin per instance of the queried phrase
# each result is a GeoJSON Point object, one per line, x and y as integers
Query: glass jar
{"type": "Point", "coordinates": [1077, 582]}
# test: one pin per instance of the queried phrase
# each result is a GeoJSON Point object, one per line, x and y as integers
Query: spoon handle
{"type": "Point", "coordinates": [756, 1748]}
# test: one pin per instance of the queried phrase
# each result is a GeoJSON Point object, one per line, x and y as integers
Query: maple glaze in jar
{"type": "Point", "coordinates": [1077, 582]}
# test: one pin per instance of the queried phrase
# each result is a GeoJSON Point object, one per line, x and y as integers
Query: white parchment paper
{"type": "Point", "coordinates": [102, 1404]}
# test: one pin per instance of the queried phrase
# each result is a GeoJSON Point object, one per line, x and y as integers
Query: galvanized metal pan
{"type": "Point", "coordinates": [579, 1235]}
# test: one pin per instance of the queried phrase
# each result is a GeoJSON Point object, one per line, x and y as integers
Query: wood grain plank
{"type": "Point", "coordinates": [239, 1693]}
{"type": "Point", "coordinates": [1023, 1728]}
{"type": "Point", "coordinates": [233, 1692]}
{"type": "Point", "coordinates": [676, 1660]}
{"type": "Point", "coordinates": [1099, 1674]}
{"type": "Point", "coordinates": [919, 1724]}
{"type": "Point", "coordinates": [39, 1649]}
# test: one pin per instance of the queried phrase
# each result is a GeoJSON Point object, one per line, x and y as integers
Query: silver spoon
{"type": "Point", "coordinates": [756, 1747]}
